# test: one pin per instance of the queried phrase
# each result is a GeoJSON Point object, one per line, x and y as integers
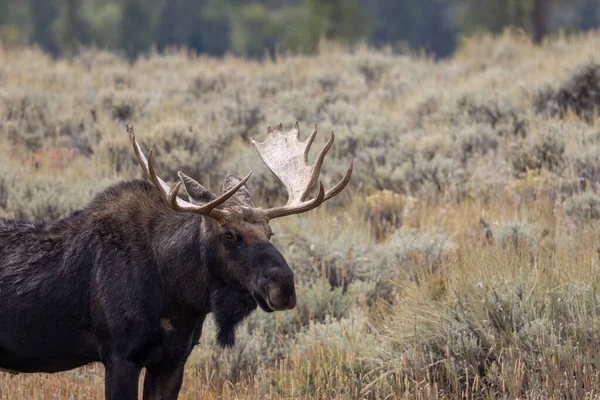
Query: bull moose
{"type": "Point", "coordinates": [128, 280]}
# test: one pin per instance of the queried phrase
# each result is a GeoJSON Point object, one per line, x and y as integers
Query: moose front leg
{"type": "Point", "coordinates": [121, 379]}
{"type": "Point", "coordinates": [163, 383]}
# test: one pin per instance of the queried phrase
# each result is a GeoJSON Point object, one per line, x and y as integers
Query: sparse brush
{"type": "Point", "coordinates": [582, 208]}
{"type": "Point", "coordinates": [477, 140]}
{"type": "Point", "coordinates": [385, 210]}
{"type": "Point", "coordinates": [517, 236]}
{"type": "Point", "coordinates": [545, 152]}
{"type": "Point", "coordinates": [581, 94]}
{"type": "Point", "coordinates": [500, 329]}
{"type": "Point", "coordinates": [408, 248]}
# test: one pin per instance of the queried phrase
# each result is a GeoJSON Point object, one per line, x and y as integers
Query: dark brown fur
{"type": "Point", "coordinates": [128, 282]}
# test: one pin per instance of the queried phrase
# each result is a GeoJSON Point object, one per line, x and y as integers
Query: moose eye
{"type": "Point", "coordinates": [228, 235]}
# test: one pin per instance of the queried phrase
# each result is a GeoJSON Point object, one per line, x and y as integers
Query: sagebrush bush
{"type": "Point", "coordinates": [478, 109]}
{"type": "Point", "coordinates": [586, 165]}
{"type": "Point", "coordinates": [393, 113]}
{"type": "Point", "coordinates": [581, 95]}
{"type": "Point", "coordinates": [517, 236]}
{"type": "Point", "coordinates": [384, 210]}
{"type": "Point", "coordinates": [406, 248]}
{"type": "Point", "coordinates": [338, 251]}
{"type": "Point", "coordinates": [545, 151]}
{"type": "Point", "coordinates": [499, 335]}
{"type": "Point", "coordinates": [35, 119]}
{"type": "Point", "coordinates": [582, 208]}
{"type": "Point", "coordinates": [344, 364]}
{"type": "Point", "coordinates": [477, 140]}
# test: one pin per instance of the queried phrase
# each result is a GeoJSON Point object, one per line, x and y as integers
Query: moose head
{"type": "Point", "coordinates": [236, 232]}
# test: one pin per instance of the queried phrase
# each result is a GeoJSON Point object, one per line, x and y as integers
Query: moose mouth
{"type": "Point", "coordinates": [264, 303]}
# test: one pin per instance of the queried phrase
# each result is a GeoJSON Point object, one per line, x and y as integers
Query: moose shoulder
{"type": "Point", "coordinates": [129, 280]}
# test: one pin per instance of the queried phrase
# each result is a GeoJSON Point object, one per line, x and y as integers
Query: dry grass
{"type": "Point", "coordinates": [400, 293]}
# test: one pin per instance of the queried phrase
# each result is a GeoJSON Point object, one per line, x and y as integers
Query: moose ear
{"type": "Point", "coordinates": [242, 196]}
{"type": "Point", "coordinates": [196, 192]}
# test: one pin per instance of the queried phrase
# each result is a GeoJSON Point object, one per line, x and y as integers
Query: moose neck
{"type": "Point", "coordinates": [185, 251]}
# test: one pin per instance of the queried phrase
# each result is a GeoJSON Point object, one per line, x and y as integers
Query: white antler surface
{"type": "Point", "coordinates": [287, 157]}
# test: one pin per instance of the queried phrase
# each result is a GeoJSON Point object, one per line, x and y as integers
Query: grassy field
{"type": "Point", "coordinates": [463, 260]}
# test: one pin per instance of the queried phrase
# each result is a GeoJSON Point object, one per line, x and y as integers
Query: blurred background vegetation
{"type": "Point", "coordinates": [251, 28]}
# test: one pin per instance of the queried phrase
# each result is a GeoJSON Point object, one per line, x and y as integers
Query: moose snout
{"type": "Point", "coordinates": [277, 288]}
{"type": "Point", "coordinates": [281, 297]}
{"type": "Point", "coordinates": [274, 290]}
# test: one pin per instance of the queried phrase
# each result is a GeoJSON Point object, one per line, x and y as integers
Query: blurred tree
{"type": "Point", "coordinates": [540, 14]}
{"type": "Point", "coordinates": [290, 25]}
{"type": "Point", "coordinates": [211, 35]}
{"type": "Point", "coordinates": [217, 14]}
{"type": "Point", "coordinates": [589, 14]}
{"type": "Point", "coordinates": [137, 26]}
{"type": "Point", "coordinates": [15, 22]}
{"type": "Point", "coordinates": [253, 30]}
{"type": "Point", "coordinates": [341, 20]}
{"type": "Point", "coordinates": [418, 24]}
{"type": "Point", "coordinates": [104, 20]}
{"type": "Point", "coordinates": [43, 14]}
{"type": "Point", "coordinates": [533, 16]}
{"type": "Point", "coordinates": [70, 29]}
{"type": "Point", "coordinates": [494, 15]}
{"type": "Point", "coordinates": [249, 27]}
{"type": "Point", "coordinates": [176, 22]}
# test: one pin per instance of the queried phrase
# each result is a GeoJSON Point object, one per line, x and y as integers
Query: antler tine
{"type": "Point", "coordinates": [316, 169]}
{"type": "Point", "coordinates": [282, 211]}
{"type": "Point", "coordinates": [173, 191]}
{"type": "Point", "coordinates": [309, 142]}
{"type": "Point", "coordinates": [223, 198]}
{"type": "Point", "coordinates": [169, 193]}
{"type": "Point", "coordinates": [287, 158]}
{"type": "Point", "coordinates": [146, 164]}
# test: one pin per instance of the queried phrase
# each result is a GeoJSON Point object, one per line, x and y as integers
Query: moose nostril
{"type": "Point", "coordinates": [281, 299]}
{"type": "Point", "coordinates": [275, 296]}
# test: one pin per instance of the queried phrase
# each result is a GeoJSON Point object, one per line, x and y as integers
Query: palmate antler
{"type": "Point", "coordinates": [287, 158]}
{"type": "Point", "coordinates": [169, 193]}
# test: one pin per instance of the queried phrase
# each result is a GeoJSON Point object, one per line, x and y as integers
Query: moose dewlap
{"type": "Point", "coordinates": [128, 280]}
